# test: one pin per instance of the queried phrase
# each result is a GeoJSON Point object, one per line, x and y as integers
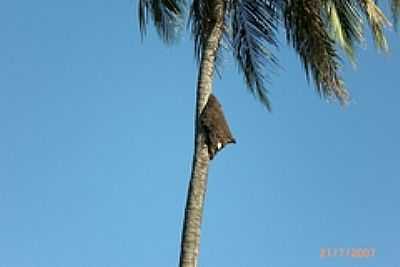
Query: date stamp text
{"type": "Point", "coordinates": [347, 252]}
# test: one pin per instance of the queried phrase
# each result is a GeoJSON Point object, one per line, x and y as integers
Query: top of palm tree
{"type": "Point", "coordinates": [314, 28]}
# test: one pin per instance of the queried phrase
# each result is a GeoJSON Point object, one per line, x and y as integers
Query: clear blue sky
{"type": "Point", "coordinates": [96, 146]}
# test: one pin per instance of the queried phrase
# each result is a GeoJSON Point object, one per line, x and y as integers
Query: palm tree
{"type": "Point", "coordinates": [314, 28]}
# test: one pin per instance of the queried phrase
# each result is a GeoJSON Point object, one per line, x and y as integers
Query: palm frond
{"type": "Point", "coordinates": [254, 26]}
{"type": "Point", "coordinates": [306, 32]}
{"type": "Point", "coordinates": [395, 6]}
{"type": "Point", "coordinates": [201, 20]}
{"type": "Point", "coordinates": [377, 21]}
{"type": "Point", "coordinates": [167, 17]}
{"type": "Point", "coordinates": [345, 23]}
{"type": "Point", "coordinates": [198, 11]}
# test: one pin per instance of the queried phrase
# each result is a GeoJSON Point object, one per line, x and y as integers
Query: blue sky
{"type": "Point", "coordinates": [96, 147]}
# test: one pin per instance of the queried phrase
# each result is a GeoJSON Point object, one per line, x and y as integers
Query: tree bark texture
{"type": "Point", "coordinates": [190, 243]}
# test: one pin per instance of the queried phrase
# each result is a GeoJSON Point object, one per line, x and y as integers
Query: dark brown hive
{"type": "Point", "coordinates": [215, 127]}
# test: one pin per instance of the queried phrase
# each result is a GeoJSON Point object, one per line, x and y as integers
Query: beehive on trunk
{"type": "Point", "coordinates": [215, 127]}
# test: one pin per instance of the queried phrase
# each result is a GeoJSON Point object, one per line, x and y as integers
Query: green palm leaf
{"type": "Point", "coordinates": [305, 31]}
{"type": "Point", "coordinates": [345, 24]}
{"type": "Point", "coordinates": [377, 21]}
{"type": "Point", "coordinates": [254, 25]}
{"type": "Point", "coordinates": [395, 6]}
{"type": "Point", "coordinates": [199, 12]}
{"type": "Point", "coordinates": [167, 17]}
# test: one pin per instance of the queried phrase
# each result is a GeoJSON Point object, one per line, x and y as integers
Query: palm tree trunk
{"type": "Point", "coordinates": [190, 243]}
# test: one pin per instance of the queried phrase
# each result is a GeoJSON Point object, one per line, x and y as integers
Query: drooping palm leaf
{"type": "Point", "coordinates": [203, 16]}
{"type": "Point", "coordinates": [254, 25]}
{"type": "Point", "coordinates": [199, 11]}
{"type": "Point", "coordinates": [395, 6]}
{"type": "Point", "coordinates": [306, 32]}
{"type": "Point", "coordinates": [167, 17]}
{"type": "Point", "coordinates": [377, 21]}
{"type": "Point", "coordinates": [345, 24]}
